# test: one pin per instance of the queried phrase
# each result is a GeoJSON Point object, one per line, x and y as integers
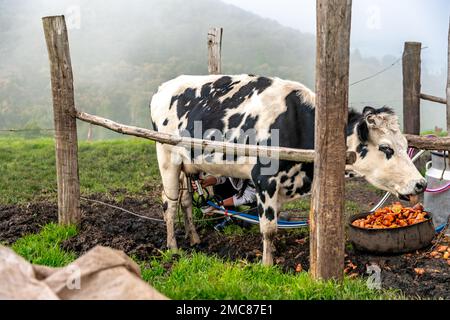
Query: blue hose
{"type": "Point", "coordinates": [255, 219]}
{"type": "Point", "coordinates": [281, 223]}
{"type": "Point", "coordinates": [441, 228]}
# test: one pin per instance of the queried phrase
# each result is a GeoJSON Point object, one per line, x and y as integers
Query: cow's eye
{"type": "Point", "coordinates": [387, 150]}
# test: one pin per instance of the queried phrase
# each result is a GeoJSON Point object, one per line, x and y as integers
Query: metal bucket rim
{"type": "Point", "coordinates": [440, 154]}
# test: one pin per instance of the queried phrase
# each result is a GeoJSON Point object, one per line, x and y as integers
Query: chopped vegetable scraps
{"type": "Point", "coordinates": [395, 216]}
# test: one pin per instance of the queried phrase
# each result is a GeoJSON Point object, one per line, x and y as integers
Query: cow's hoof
{"type": "Point", "coordinates": [172, 247]}
{"type": "Point", "coordinates": [195, 240]}
{"type": "Point", "coordinates": [267, 260]}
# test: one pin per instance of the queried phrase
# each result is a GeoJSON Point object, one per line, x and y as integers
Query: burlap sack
{"type": "Point", "coordinates": [102, 273]}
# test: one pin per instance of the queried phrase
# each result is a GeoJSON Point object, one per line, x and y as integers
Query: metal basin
{"type": "Point", "coordinates": [391, 241]}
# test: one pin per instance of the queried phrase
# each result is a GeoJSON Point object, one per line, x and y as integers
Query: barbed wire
{"type": "Point", "coordinates": [25, 130]}
{"type": "Point", "coordinates": [142, 216]}
{"type": "Point", "coordinates": [383, 70]}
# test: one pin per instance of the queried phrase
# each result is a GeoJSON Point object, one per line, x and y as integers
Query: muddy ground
{"type": "Point", "coordinates": [142, 238]}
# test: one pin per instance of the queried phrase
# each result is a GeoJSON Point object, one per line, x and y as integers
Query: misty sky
{"type": "Point", "coordinates": [379, 27]}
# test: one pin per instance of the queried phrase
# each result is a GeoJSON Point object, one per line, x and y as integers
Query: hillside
{"type": "Point", "coordinates": [121, 54]}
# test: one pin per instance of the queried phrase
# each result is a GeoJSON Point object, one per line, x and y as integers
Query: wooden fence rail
{"type": "Point", "coordinates": [227, 148]}
{"type": "Point", "coordinates": [431, 98]}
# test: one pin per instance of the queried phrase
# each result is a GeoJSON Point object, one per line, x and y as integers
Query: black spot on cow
{"type": "Point", "coordinates": [166, 122]}
{"type": "Point", "coordinates": [290, 187]}
{"type": "Point", "coordinates": [296, 125]}
{"type": "Point", "coordinates": [362, 150]}
{"type": "Point", "coordinates": [363, 131]}
{"type": "Point", "coordinates": [358, 120]}
{"type": "Point", "coordinates": [172, 101]}
{"type": "Point", "coordinates": [306, 187]}
{"type": "Point", "coordinates": [370, 110]}
{"type": "Point", "coordinates": [205, 90]}
{"type": "Point", "coordinates": [308, 169]}
{"type": "Point", "coordinates": [165, 206]}
{"type": "Point", "coordinates": [260, 210]}
{"type": "Point", "coordinates": [295, 176]}
{"type": "Point", "coordinates": [284, 178]}
{"type": "Point", "coordinates": [223, 85]}
{"type": "Point", "coordinates": [262, 197]}
{"type": "Point", "coordinates": [235, 120]}
{"type": "Point", "coordinates": [269, 213]}
{"type": "Point", "coordinates": [262, 83]}
{"type": "Point", "coordinates": [271, 188]}
{"type": "Point", "coordinates": [155, 127]}
{"type": "Point", "coordinates": [209, 107]}
{"type": "Point", "coordinates": [249, 123]}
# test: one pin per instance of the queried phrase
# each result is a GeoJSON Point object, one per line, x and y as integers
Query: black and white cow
{"type": "Point", "coordinates": [251, 109]}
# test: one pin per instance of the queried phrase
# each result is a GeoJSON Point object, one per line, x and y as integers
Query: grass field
{"type": "Point", "coordinates": [198, 276]}
{"type": "Point", "coordinates": [27, 173]}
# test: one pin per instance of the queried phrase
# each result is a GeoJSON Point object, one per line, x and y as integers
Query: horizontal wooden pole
{"type": "Point", "coordinates": [431, 98]}
{"type": "Point", "coordinates": [279, 153]}
{"type": "Point", "coordinates": [428, 143]}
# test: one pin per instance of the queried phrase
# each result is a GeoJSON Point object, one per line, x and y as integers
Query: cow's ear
{"type": "Point", "coordinates": [368, 110]}
{"type": "Point", "coordinates": [363, 131]}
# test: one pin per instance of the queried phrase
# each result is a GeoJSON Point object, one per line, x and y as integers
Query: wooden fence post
{"type": "Point", "coordinates": [411, 87]}
{"type": "Point", "coordinates": [215, 50]}
{"type": "Point", "coordinates": [448, 84]}
{"type": "Point", "coordinates": [332, 83]}
{"type": "Point", "coordinates": [64, 118]}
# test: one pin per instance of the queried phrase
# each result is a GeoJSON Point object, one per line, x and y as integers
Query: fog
{"type": "Point", "coordinates": [123, 50]}
{"type": "Point", "coordinates": [379, 27]}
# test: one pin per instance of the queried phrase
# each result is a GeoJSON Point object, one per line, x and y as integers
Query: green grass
{"type": "Point", "coordinates": [27, 173]}
{"type": "Point", "coordinates": [27, 168]}
{"type": "Point", "coordinates": [44, 248]}
{"type": "Point", "coordinates": [198, 276]}
{"type": "Point", "coordinates": [432, 132]}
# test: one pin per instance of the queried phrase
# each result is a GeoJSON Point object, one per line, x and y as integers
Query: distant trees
{"type": "Point", "coordinates": [121, 54]}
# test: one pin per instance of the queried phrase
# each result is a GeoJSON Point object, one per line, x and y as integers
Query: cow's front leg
{"type": "Point", "coordinates": [186, 204]}
{"type": "Point", "coordinates": [170, 207]}
{"type": "Point", "coordinates": [267, 210]}
{"type": "Point", "coordinates": [170, 175]}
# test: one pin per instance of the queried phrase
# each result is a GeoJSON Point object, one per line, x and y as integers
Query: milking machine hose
{"type": "Point", "coordinates": [282, 224]}
{"type": "Point", "coordinates": [438, 190]}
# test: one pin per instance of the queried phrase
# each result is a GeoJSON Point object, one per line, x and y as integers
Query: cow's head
{"type": "Point", "coordinates": [381, 149]}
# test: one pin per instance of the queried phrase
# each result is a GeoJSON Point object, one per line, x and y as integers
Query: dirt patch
{"type": "Point", "coordinates": [143, 239]}
{"type": "Point", "coordinates": [17, 221]}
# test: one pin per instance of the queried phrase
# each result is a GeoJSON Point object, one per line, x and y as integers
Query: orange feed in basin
{"type": "Point", "coordinates": [395, 216]}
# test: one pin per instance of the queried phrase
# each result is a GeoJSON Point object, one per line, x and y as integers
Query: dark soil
{"type": "Point", "coordinates": [17, 221]}
{"type": "Point", "coordinates": [143, 239]}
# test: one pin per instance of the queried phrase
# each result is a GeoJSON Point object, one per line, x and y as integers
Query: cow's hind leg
{"type": "Point", "coordinates": [267, 210]}
{"type": "Point", "coordinates": [186, 205]}
{"type": "Point", "coordinates": [170, 175]}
